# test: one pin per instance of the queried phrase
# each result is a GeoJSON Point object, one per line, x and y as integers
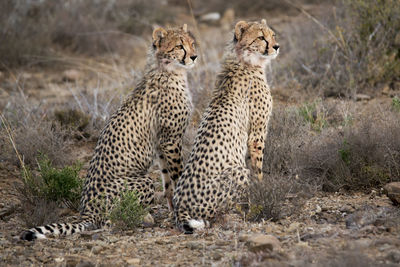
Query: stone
{"type": "Point", "coordinates": [362, 97]}
{"type": "Point", "coordinates": [216, 255]}
{"type": "Point", "coordinates": [133, 261]}
{"type": "Point", "coordinates": [194, 245]}
{"type": "Point", "coordinates": [294, 226]}
{"type": "Point", "coordinates": [71, 75]}
{"type": "Point", "coordinates": [148, 220]}
{"type": "Point", "coordinates": [77, 261]}
{"type": "Point", "coordinates": [97, 249]}
{"type": "Point", "coordinates": [392, 190]}
{"type": "Point", "coordinates": [386, 89]}
{"type": "Point", "coordinates": [210, 17]}
{"type": "Point", "coordinates": [262, 242]}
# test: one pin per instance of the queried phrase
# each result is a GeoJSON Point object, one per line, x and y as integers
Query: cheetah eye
{"type": "Point", "coordinates": [261, 38]}
{"type": "Point", "coordinates": [179, 46]}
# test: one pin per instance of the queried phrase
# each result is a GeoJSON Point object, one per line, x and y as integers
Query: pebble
{"type": "Point", "coordinates": [392, 190]}
{"type": "Point", "coordinates": [71, 75]}
{"type": "Point", "coordinates": [362, 97]}
{"type": "Point", "coordinates": [133, 261]}
{"type": "Point", "coordinates": [148, 220]}
{"type": "Point", "coordinates": [260, 242]}
{"type": "Point", "coordinates": [97, 249]}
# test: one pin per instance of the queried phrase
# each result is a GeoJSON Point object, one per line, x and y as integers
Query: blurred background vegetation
{"type": "Point", "coordinates": [65, 66]}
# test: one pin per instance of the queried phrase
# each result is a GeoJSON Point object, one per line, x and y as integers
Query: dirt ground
{"type": "Point", "coordinates": [329, 229]}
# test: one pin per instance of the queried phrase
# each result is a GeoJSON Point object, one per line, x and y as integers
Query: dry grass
{"type": "Point", "coordinates": [318, 144]}
{"type": "Point", "coordinates": [33, 32]}
{"type": "Point", "coordinates": [358, 157]}
{"type": "Point", "coordinates": [32, 136]}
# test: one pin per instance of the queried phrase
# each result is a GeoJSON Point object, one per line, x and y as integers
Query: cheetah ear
{"type": "Point", "coordinates": [239, 29]}
{"type": "Point", "coordinates": [158, 33]}
{"type": "Point", "coordinates": [184, 27]}
{"type": "Point", "coordinates": [264, 21]}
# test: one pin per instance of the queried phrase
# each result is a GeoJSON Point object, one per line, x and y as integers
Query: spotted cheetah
{"type": "Point", "coordinates": [235, 123]}
{"type": "Point", "coordinates": [150, 122]}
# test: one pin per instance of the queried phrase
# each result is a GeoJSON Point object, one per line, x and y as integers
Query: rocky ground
{"type": "Point", "coordinates": [329, 229]}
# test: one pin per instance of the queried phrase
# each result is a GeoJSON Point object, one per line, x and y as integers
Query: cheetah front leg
{"type": "Point", "coordinates": [256, 148]}
{"type": "Point", "coordinates": [171, 167]}
{"type": "Point", "coordinates": [256, 144]}
{"type": "Point", "coordinates": [260, 111]}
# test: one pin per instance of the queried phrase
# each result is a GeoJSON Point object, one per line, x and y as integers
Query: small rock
{"type": "Point", "coordinates": [85, 264]}
{"type": "Point", "coordinates": [243, 237]}
{"type": "Point", "coordinates": [76, 261]}
{"type": "Point", "coordinates": [194, 245]}
{"type": "Point", "coordinates": [385, 89]}
{"type": "Point", "coordinates": [318, 209]}
{"type": "Point", "coordinates": [347, 209]}
{"type": "Point", "coordinates": [216, 255]}
{"type": "Point", "coordinates": [293, 227]}
{"type": "Point", "coordinates": [97, 249]}
{"type": "Point", "coordinates": [148, 220]}
{"type": "Point", "coordinates": [392, 190]}
{"type": "Point", "coordinates": [393, 256]}
{"type": "Point", "coordinates": [71, 75]}
{"type": "Point", "coordinates": [26, 75]}
{"type": "Point", "coordinates": [362, 97]}
{"type": "Point", "coordinates": [92, 235]}
{"type": "Point", "coordinates": [260, 242]}
{"type": "Point", "coordinates": [222, 243]}
{"type": "Point", "coordinates": [210, 17]}
{"type": "Point", "coordinates": [133, 261]}
{"type": "Point", "coordinates": [362, 243]}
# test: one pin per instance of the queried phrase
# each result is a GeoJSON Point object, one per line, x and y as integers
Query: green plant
{"type": "Point", "coordinates": [345, 152]}
{"type": "Point", "coordinates": [59, 185]}
{"type": "Point", "coordinates": [127, 212]}
{"type": "Point", "coordinates": [396, 103]}
{"type": "Point", "coordinates": [314, 115]}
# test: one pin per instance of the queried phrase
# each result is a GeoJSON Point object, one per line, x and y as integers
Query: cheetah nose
{"type": "Point", "coordinates": [276, 47]}
{"type": "Point", "coordinates": [193, 57]}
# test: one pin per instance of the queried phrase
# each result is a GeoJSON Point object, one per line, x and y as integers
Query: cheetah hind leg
{"type": "Point", "coordinates": [144, 187]}
{"type": "Point", "coordinates": [232, 183]}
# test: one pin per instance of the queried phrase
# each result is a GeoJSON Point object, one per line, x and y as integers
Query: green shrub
{"type": "Point", "coordinates": [359, 157]}
{"type": "Point", "coordinates": [52, 184]}
{"type": "Point", "coordinates": [344, 152]}
{"type": "Point", "coordinates": [396, 103]}
{"type": "Point", "coordinates": [353, 50]}
{"type": "Point", "coordinates": [127, 212]}
{"type": "Point", "coordinates": [314, 115]}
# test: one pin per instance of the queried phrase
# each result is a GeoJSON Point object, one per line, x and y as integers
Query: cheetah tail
{"type": "Point", "coordinates": [191, 225]}
{"type": "Point", "coordinates": [57, 229]}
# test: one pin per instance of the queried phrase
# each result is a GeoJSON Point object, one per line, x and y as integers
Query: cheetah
{"type": "Point", "coordinates": [234, 125]}
{"type": "Point", "coordinates": [151, 122]}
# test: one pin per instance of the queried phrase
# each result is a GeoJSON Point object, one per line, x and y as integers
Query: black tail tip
{"type": "Point", "coordinates": [28, 236]}
{"type": "Point", "coordinates": [188, 230]}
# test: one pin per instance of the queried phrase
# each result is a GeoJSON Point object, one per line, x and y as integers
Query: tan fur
{"type": "Point", "coordinates": [150, 123]}
{"type": "Point", "coordinates": [235, 123]}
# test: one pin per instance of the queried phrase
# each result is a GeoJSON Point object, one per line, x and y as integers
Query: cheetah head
{"type": "Point", "coordinates": [255, 42]}
{"type": "Point", "coordinates": [174, 48]}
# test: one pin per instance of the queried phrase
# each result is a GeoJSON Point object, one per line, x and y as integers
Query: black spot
{"type": "Point", "coordinates": [188, 230]}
